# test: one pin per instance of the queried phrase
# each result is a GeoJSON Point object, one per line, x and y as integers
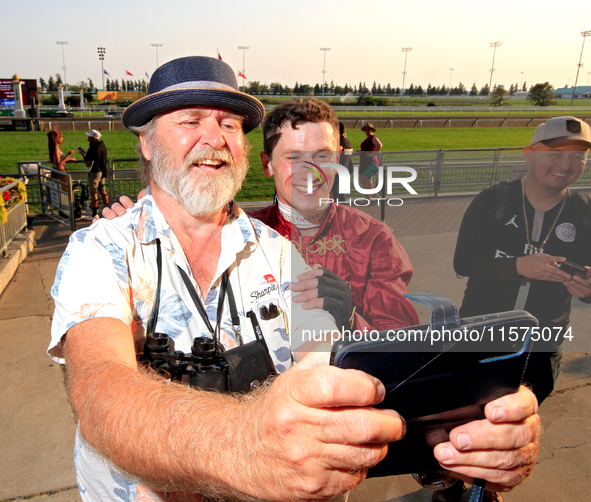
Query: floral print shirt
{"type": "Point", "coordinates": [110, 270]}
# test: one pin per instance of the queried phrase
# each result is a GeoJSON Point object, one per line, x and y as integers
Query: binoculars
{"type": "Point", "coordinates": [201, 368]}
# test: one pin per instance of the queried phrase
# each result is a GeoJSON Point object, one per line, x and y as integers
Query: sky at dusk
{"type": "Point", "coordinates": [284, 39]}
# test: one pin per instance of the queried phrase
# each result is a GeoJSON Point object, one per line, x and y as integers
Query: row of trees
{"type": "Point", "coordinates": [539, 94]}
{"type": "Point", "coordinates": [52, 84]}
{"type": "Point", "coordinates": [129, 85]}
{"type": "Point", "coordinates": [275, 88]}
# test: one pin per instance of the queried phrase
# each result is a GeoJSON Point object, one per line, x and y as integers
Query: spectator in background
{"type": "Point", "coordinates": [96, 159]}
{"type": "Point", "coordinates": [368, 163]}
{"type": "Point", "coordinates": [57, 158]}
{"type": "Point", "coordinates": [344, 159]}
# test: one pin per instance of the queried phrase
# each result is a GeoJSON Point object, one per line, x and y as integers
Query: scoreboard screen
{"type": "Point", "coordinates": [7, 94]}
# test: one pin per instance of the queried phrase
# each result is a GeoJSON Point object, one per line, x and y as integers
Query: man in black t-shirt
{"type": "Point", "coordinates": [516, 235]}
{"type": "Point", "coordinates": [96, 159]}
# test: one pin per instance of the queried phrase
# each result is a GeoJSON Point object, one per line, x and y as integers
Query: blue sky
{"type": "Point", "coordinates": [284, 38]}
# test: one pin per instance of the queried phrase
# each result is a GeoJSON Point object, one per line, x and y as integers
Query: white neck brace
{"type": "Point", "coordinates": [293, 216]}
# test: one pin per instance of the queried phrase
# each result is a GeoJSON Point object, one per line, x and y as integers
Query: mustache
{"type": "Point", "coordinates": [208, 153]}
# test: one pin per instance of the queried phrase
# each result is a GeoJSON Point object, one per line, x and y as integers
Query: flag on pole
{"type": "Point", "coordinates": [219, 57]}
{"type": "Point", "coordinates": [147, 76]}
{"type": "Point", "coordinates": [127, 73]}
{"type": "Point", "coordinates": [240, 74]}
{"type": "Point", "coordinates": [106, 73]}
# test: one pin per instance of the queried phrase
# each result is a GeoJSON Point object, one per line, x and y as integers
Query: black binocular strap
{"type": "Point", "coordinates": [154, 318]}
{"type": "Point", "coordinates": [224, 286]}
{"type": "Point", "coordinates": [477, 493]}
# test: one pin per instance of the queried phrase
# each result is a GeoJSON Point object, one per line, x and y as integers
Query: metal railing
{"type": "Point", "coordinates": [56, 196]}
{"type": "Point", "coordinates": [17, 220]}
{"type": "Point", "coordinates": [438, 172]}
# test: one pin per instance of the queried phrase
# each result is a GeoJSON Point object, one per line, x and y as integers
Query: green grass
{"type": "Point", "coordinates": [15, 146]}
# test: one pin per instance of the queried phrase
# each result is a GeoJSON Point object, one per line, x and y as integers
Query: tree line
{"type": "Point", "coordinates": [330, 89]}
{"type": "Point", "coordinates": [538, 95]}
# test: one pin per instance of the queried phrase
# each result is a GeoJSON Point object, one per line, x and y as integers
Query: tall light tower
{"type": "Point", "coordinates": [492, 69]}
{"type": "Point", "coordinates": [521, 83]}
{"type": "Point", "coordinates": [584, 34]}
{"type": "Point", "coordinates": [156, 46]}
{"type": "Point", "coordinates": [101, 52]}
{"type": "Point", "coordinates": [243, 48]}
{"type": "Point", "coordinates": [451, 70]}
{"type": "Point", "coordinates": [406, 50]}
{"type": "Point", "coordinates": [62, 43]}
{"type": "Point", "coordinates": [325, 50]}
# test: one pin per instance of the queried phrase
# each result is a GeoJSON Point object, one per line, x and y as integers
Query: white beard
{"type": "Point", "coordinates": [201, 194]}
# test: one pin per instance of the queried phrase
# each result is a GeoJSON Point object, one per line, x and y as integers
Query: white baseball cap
{"type": "Point", "coordinates": [94, 134]}
{"type": "Point", "coordinates": [561, 130]}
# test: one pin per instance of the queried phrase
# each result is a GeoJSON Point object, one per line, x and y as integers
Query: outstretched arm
{"type": "Point", "coordinates": [313, 424]}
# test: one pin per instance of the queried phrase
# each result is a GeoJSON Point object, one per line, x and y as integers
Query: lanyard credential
{"type": "Point", "coordinates": [225, 286]}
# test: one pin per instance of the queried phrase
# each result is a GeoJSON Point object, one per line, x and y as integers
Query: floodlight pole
{"type": "Point", "coordinates": [325, 50]}
{"type": "Point", "coordinates": [243, 48]}
{"type": "Point", "coordinates": [406, 50]}
{"type": "Point", "coordinates": [156, 46]}
{"type": "Point", "coordinates": [101, 52]}
{"type": "Point", "coordinates": [584, 34]}
{"type": "Point", "coordinates": [521, 83]}
{"type": "Point", "coordinates": [492, 69]}
{"type": "Point", "coordinates": [450, 74]}
{"type": "Point", "coordinates": [62, 43]}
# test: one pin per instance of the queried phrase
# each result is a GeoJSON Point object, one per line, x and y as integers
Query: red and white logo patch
{"type": "Point", "coordinates": [269, 278]}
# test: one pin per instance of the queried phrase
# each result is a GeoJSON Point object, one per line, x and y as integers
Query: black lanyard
{"type": "Point", "coordinates": [225, 286]}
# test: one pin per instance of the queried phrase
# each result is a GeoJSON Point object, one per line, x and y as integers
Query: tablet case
{"type": "Point", "coordinates": [437, 383]}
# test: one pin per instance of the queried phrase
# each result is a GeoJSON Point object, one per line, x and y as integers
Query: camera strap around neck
{"type": "Point", "coordinates": [225, 286]}
{"type": "Point", "coordinates": [154, 319]}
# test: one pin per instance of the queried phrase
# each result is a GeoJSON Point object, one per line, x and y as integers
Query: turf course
{"type": "Point", "coordinates": [16, 146]}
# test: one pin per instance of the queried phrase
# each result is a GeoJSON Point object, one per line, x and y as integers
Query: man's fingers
{"type": "Point", "coordinates": [327, 387]}
{"type": "Point", "coordinates": [447, 455]}
{"type": "Point", "coordinates": [354, 458]}
{"type": "Point", "coordinates": [126, 202]}
{"type": "Point", "coordinates": [108, 213]}
{"type": "Point", "coordinates": [362, 426]}
{"type": "Point", "coordinates": [483, 435]}
{"type": "Point", "coordinates": [512, 407]}
{"type": "Point", "coordinates": [304, 284]}
{"type": "Point", "coordinates": [578, 287]}
{"type": "Point", "coordinates": [311, 274]}
{"type": "Point", "coordinates": [112, 211]}
{"type": "Point", "coordinates": [314, 303]}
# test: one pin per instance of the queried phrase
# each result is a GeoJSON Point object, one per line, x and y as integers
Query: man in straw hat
{"type": "Point", "coordinates": [309, 434]}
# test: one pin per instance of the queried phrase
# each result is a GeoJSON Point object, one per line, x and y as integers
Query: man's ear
{"type": "Point", "coordinates": [145, 147]}
{"type": "Point", "coordinates": [267, 167]}
{"type": "Point", "coordinates": [527, 153]}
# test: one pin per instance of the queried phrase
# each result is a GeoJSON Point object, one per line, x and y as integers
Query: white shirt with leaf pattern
{"type": "Point", "coordinates": [109, 270]}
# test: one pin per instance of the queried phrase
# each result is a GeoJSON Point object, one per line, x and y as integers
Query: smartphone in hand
{"type": "Point", "coordinates": [573, 269]}
{"type": "Point", "coordinates": [82, 150]}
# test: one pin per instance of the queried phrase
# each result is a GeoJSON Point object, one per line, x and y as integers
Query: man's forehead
{"type": "Point", "coordinates": [567, 146]}
{"type": "Point", "coordinates": [287, 127]}
{"type": "Point", "coordinates": [203, 111]}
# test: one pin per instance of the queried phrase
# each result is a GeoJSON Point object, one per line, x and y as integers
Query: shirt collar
{"type": "Point", "coordinates": [148, 223]}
